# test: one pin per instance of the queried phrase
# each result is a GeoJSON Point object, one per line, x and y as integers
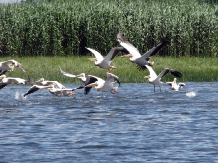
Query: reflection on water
{"type": "Point", "coordinates": [135, 125]}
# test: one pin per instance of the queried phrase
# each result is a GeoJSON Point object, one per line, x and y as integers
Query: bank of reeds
{"type": "Point", "coordinates": [193, 68]}
{"type": "Point", "coordinates": [66, 27]}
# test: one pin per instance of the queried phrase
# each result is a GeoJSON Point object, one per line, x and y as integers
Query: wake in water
{"type": "Point", "coordinates": [190, 94]}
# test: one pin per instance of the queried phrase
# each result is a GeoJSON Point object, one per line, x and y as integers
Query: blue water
{"type": "Point", "coordinates": [135, 125]}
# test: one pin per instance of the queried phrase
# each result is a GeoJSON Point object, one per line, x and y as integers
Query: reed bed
{"type": "Point", "coordinates": [65, 28]}
{"type": "Point", "coordinates": [193, 68]}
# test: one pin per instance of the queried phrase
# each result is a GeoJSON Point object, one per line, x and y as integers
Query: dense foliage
{"type": "Point", "coordinates": [66, 27]}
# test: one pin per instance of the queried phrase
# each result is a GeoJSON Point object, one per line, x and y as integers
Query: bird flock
{"type": "Point", "coordinates": [56, 88]}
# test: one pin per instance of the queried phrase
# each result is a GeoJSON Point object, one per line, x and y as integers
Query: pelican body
{"type": "Point", "coordinates": [10, 80]}
{"type": "Point", "coordinates": [9, 65]}
{"type": "Point", "coordinates": [155, 79]}
{"type": "Point", "coordinates": [174, 85]}
{"type": "Point", "coordinates": [134, 55]}
{"type": "Point", "coordinates": [100, 84]}
{"type": "Point", "coordinates": [105, 63]}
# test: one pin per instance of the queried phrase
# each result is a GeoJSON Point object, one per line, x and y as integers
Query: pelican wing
{"type": "Point", "coordinates": [114, 51]}
{"type": "Point", "coordinates": [67, 74]}
{"type": "Point", "coordinates": [90, 79]}
{"type": "Point", "coordinates": [173, 72]}
{"type": "Point", "coordinates": [113, 78]}
{"type": "Point", "coordinates": [169, 83]}
{"type": "Point", "coordinates": [98, 56]}
{"type": "Point", "coordinates": [17, 64]}
{"type": "Point", "coordinates": [128, 46]}
{"type": "Point", "coordinates": [3, 72]}
{"type": "Point", "coordinates": [2, 85]}
{"type": "Point", "coordinates": [155, 49]}
{"type": "Point", "coordinates": [32, 89]}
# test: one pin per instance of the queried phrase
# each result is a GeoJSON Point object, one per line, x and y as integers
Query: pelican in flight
{"type": "Point", "coordinates": [134, 55]}
{"type": "Point", "coordinates": [155, 80]}
{"type": "Point", "coordinates": [81, 76]}
{"type": "Point", "coordinates": [61, 92]}
{"type": "Point", "coordinates": [9, 65]}
{"type": "Point", "coordinates": [44, 82]}
{"type": "Point", "coordinates": [102, 62]}
{"type": "Point", "coordinates": [174, 85]}
{"type": "Point", "coordinates": [9, 80]}
{"type": "Point", "coordinates": [100, 84]}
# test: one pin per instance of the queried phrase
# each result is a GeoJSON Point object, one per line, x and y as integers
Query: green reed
{"type": "Point", "coordinates": [192, 68]}
{"type": "Point", "coordinates": [65, 28]}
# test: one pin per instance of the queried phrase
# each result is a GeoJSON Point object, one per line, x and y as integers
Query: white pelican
{"type": "Point", "coordinates": [135, 56]}
{"type": "Point", "coordinates": [10, 80]}
{"type": "Point", "coordinates": [9, 65]}
{"type": "Point", "coordinates": [35, 88]}
{"type": "Point", "coordinates": [81, 76]}
{"type": "Point", "coordinates": [174, 85]}
{"type": "Point", "coordinates": [100, 84]}
{"type": "Point", "coordinates": [155, 80]}
{"type": "Point", "coordinates": [102, 62]}
{"type": "Point", "coordinates": [61, 92]}
{"type": "Point", "coordinates": [44, 82]}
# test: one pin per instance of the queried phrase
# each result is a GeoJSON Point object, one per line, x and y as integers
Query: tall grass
{"type": "Point", "coordinates": [66, 27]}
{"type": "Point", "coordinates": [193, 68]}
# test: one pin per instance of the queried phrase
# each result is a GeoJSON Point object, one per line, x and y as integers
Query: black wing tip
{"type": "Point", "coordinates": [177, 74]}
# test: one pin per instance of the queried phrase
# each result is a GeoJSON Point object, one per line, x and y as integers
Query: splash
{"type": "Point", "coordinates": [17, 95]}
{"type": "Point", "coordinates": [190, 94]}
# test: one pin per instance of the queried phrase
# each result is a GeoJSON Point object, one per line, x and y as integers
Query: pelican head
{"type": "Point", "coordinates": [2, 76]}
{"type": "Point", "coordinates": [127, 56]}
{"type": "Point", "coordinates": [111, 68]}
{"type": "Point", "coordinates": [82, 75]}
{"type": "Point", "coordinates": [150, 63]}
{"type": "Point", "coordinates": [92, 85]}
{"type": "Point", "coordinates": [147, 77]}
{"type": "Point", "coordinates": [40, 80]}
{"type": "Point", "coordinates": [92, 59]}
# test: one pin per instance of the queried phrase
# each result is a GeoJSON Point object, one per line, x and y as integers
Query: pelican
{"type": "Point", "coordinates": [81, 76]}
{"type": "Point", "coordinates": [102, 62]}
{"type": "Point", "coordinates": [44, 82]}
{"type": "Point", "coordinates": [61, 92]}
{"type": "Point", "coordinates": [155, 80]}
{"type": "Point", "coordinates": [174, 85]}
{"type": "Point", "coordinates": [9, 65]}
{"type": "Point", "coordinates": [35, 88]}
{"type": "Point", "coordinates": [100, 84]}
{"type": "Point", "coordinates": [9, 80]}
{"type": "Point", "coordinates": [135, 56]}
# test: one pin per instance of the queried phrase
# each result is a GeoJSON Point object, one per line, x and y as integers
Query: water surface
{"type": "Point", "coordinates": [135, 125]}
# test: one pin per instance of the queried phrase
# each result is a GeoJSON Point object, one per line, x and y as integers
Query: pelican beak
{"type": "Point", "coordinates": [111, 68]}
{"type": "Point", "coordinates": [127, 56]}
{"type": "Point", "coordinates": [92, 59]}
{"type": "Point", "coordinates": [40, 80]}
{"type": "Point", "coordinates": [92, 85]}
{"type": "Point", "coordinates": [147, 77]}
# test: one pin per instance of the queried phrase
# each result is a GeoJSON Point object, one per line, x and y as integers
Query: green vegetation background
{"type": "Point", "coordinates": [45, 35]}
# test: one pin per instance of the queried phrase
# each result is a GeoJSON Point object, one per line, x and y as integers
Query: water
{"type": "Point", "coordinates": [135, 125]}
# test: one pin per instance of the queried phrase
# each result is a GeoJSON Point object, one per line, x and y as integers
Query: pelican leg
{"type": "Point", "coordinates": [154, 88]}
{"type": "Point", "coordinates": [160, 88]}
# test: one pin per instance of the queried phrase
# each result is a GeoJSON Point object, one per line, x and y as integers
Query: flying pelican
{"type": "Point", "coordinates": [174, 85]}
{"type": "Point", "coordinates": [81, 76]}
{"type": "Point", "coordinates": [135, 56]}
{"type": "Point", "coordinates": [155, 80]}
{"type": "Point", "coordinates": [9, 65]}
{"type": "Point", "coordinates": [104, 63]}
{"type": "Point", "coordinates": [9, 80]}
{"type": "Point", "coordinates": [35, 88]}
{"type": "Point", "coordinates": [44, 82]}
{"type": "Point", "coordinates": [100, 84]}
{"type": "Point", "coordinates": [61, 92]}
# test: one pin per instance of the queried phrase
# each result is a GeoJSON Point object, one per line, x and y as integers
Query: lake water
{"type": "Point", "coordinates": [135, 125]}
